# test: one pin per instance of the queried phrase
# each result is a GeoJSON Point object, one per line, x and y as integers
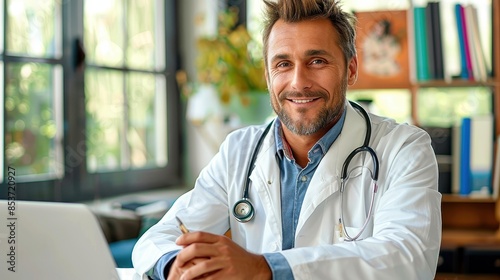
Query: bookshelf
{"type": "Point", "coordinates": [466, 221]}
{"type": "Point", "coordinates": [469, 221]}
{"type": "Point", "coordinates": [474, 221]}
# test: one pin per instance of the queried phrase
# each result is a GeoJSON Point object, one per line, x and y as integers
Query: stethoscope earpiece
{"type": "Point", "coordinates": [243, 210]}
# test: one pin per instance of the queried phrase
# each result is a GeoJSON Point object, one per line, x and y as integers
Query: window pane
{"type": "Point", "coordinates": [395, 103]}
{"type": "Point", "coordinates": [104, 93]}
{"type": "Point", "coordinates": [147, 120]}
{"type": "Point", "coordinates": [104, 32]}
{"type": "Point", "coordinates": [145, 35]}
{"type": "Point", "coordinates": [444, 107]}
{"type": "Point", "coordinates": [114, 144]}
{"type": "Point", "coordinates": [34, 28]}
{"type": "Point", "coordinates": [33, 118]}
{"type": "Point", "coordinates": [255, 26]}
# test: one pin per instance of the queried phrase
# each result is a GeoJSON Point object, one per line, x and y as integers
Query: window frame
{"type": "Point", "coordinates": [77, 184]}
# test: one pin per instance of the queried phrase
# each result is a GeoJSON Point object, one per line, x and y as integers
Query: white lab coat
{"type": "Point", "coordinates": [402, 240]}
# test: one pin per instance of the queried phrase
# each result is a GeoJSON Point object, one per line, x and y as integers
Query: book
{"type": "Point", "coordinates": [481, 155]}
{"type": "Point", "coordinates": [421, 43]}
{"type": "Point", "coordinates": [468, 17]}
{"type": "Point", "coordinates": [479, 65]}
{"type": "Point", "coordinates": [496, 173]}
{"type": "Point", "coordinates": [472, 148]}
{"type": "Point", "coordinates": [430, 29]}
{"type": "Point", "coordinates": [465, 35]}
{"type": "Point", "coordinates": [465, 181]}
{"type": "Point", "coordinates": [455, 151]}
{"type": "Point", "coordinates": [438, 41]}
{"type": "Point", "coordinates": [143, 208]}
{"type": "Point", "coordinates": [464, 73]}
{"type": "Point", "coordinates": [441, 138]}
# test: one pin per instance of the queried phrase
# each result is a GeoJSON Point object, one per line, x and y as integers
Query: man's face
{"type": "Point", "coordinates": [307, 75]}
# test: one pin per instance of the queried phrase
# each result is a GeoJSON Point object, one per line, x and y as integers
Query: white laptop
{"type": "Point", "coordinates": [49, 240]}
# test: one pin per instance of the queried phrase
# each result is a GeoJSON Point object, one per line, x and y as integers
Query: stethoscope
{"type": "Point", "coordinates": [243, 209]}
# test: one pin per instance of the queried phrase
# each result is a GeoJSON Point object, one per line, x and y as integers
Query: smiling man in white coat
{"type": "Point", "coordinates": [325, 191]}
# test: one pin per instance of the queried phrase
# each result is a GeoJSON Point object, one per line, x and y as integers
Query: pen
{"type": "Point", "coordinates": [182, 227]}
{"type": "Point", "coordinates": [341, 231]}
{"type": "Point", "coordinates": [184, 230]}
{"type": "Point", "coordinates": [341, 228]}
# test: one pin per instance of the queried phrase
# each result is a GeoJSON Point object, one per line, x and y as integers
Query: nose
{"type": "Point", "coordinates": [300, 78]}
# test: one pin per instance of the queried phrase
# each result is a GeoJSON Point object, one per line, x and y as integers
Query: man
{"type": "Point", "coordinates": [299, 212]}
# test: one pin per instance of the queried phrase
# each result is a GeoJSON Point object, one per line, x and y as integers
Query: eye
{"type": "Point", "coordinates": [283, 64]}
{"type": "Point", "coordinates": [318, 61]}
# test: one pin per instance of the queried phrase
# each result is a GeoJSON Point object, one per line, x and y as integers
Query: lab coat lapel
{"type": "Point", "coordinates": [266, 181]}
{"type": "Point", "coordinates": [326, 179]}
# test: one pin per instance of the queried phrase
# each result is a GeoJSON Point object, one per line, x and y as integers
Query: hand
{"type": "Point", "coordinates": [177, 270]}
{"type": "Point", "coordinates": [209, 256]}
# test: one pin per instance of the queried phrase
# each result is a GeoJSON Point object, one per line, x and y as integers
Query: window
{"type": "Point", "coordinates": [32, 89]}
{"type": "Point", "coordinates": [89, 101]}
{"type": "Point", "coordinates": [125, 89]}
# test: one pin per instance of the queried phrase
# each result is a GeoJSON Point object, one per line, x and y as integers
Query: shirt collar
{"type": "Point", "coordinates": [283, 148]}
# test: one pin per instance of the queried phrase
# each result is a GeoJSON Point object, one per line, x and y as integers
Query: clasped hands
{"type": "Point", "coordinates": [209, 256]}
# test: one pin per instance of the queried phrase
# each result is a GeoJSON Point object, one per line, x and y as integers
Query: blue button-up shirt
{"type": "Point", "coordinates": [294, 183]}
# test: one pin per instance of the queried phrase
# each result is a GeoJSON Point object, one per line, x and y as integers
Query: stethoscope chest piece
{"type": "Point", "coordinates": [243, 210]}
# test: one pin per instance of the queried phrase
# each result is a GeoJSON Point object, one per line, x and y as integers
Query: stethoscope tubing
{"type": "Point", "coordinates": [254, 157]}
{"type": "Point", "coordinates": [344, 176]}
{"type": "Point", "coordinates": [370, 212]}
{"type": "Point", "coordinates": [245, 201]}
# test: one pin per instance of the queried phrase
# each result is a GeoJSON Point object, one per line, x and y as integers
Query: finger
{"type": "Point", "coordinates": [176, 269]}
{"type": "Point", "coordinates": [197, 237]}
{"type": "Point", "coordinates": [196, 251]}
{"type": "Point", "coordinates": [202, 270]}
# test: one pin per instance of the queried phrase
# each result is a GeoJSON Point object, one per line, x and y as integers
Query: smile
{"type": "Point", "coordinates": [302, 101]}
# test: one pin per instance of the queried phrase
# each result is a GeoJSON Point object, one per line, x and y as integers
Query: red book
{"type": "Point", "coordinates": [468, 59]}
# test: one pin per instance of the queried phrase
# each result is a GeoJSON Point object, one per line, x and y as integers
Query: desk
{"type": "Point", "coordinates": [451, 276]}
{"type": "Point", "coordinates": [129, 274]}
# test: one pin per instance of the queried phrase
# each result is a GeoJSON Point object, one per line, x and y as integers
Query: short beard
{"type": "Point", "coordinates": [326, 115]}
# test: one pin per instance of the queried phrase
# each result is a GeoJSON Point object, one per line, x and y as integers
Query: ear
{"type": "Point", "coordinates": [352, 70]}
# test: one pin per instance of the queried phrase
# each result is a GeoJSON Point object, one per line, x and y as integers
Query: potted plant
{"type": "Point", "coordinates": [231, 62]}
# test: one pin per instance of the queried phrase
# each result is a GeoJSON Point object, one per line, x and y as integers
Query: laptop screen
{"type": "Point", "coordinates": [49, 240]}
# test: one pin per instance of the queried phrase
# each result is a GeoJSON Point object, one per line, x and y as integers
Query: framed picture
{"type": "Point", "coordinates": [382, 46]}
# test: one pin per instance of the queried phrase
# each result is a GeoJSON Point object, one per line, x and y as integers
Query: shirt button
{"type": "Point", "coordinates": [303, 178]}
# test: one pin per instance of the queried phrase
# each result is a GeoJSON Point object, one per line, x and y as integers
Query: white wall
{"type": "Point", "coordinates": [199, 17]}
